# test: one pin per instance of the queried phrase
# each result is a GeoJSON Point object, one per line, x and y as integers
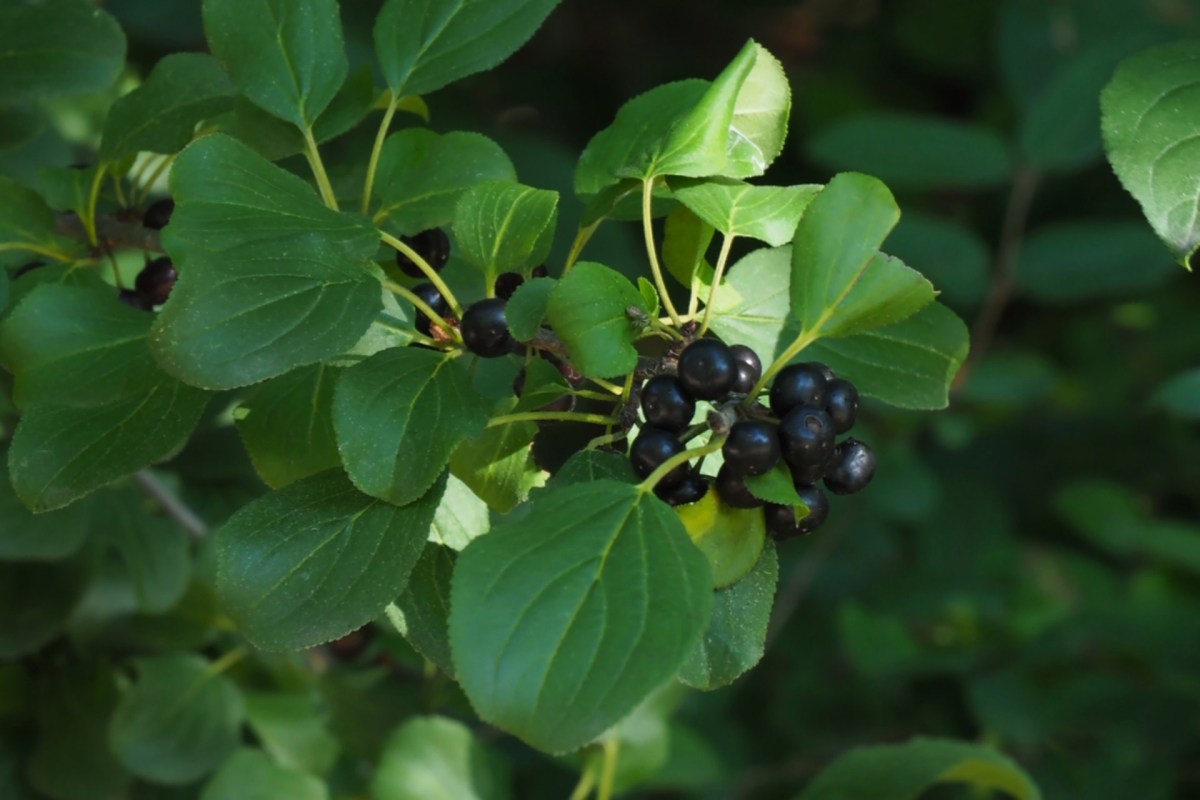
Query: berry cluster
{"type": "Point", "coordinates": [809, 407]}
{"type": "Point", "coordinates": [152, 286]}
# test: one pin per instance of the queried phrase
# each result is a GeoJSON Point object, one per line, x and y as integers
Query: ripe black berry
{"type": "Point", "coordinates": [156, 280]}
{"type": "Point", "coordinates": [135, 299]}
{"type": "Point", "coordinates": [707, 369]}
{"type": "Point", "coordinates": [650, 449]}
{"type": "Point", "coordinates": [798, 385]}
{"type": "Point", "coordinates": [507, 284]}
{"type": "Point", "coordinates": [158, 214]}
{"type": "Point", "coordinates": [666, 404]}
{"type": "Point", "coordinates": [853, 467]}
{"type": "Point", "coordinates": [485, 329]}
{"type": "Point", "coordinates": [540, 271]}
{"type": "Point", "coordinates": [732, 489]}
{"type": "Point", "coordinates": [806, 437]}
{"type": "Point", "coordinates": [432, 298]}
{"type": "Point", "coordinates": [781, 520]}
{"type": "Point", "coordinates": [841, 403]}
{"type": "Point", "coordinates": [747, 377]}
{"type": "Point", "coordinates": [745, 355]}
{"type": "Point", "coordinates": [432, 245]}
{"type": "Point", "coordinates": [752, 447]}
{"type": "Point", "coordinates": [690, 490]}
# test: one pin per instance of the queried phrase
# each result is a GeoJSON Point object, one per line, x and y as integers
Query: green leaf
{"type": "Point", "coordinates": [526, 309]}
{"type": "Point", "coordinates": [26, 218]}
{"type": "Point", "coordinates": [460, 517]}
{"type": "Point", "coordinates": [840, 283]}
{"type": "Point", "coordinates": [1153, 139]}
{"type": "Point", "coordinates": [287, 425]}
{"type": "Point", "coordinates": [563, 622]}
{"type": "Point", "coordinates": [178, 722]}
{"type": "Point", "coordinates": [286, 56]}
{"type": "Point", "coordinates": [737, 633]}
{"type": "Point", "coordinates": [35, 601]}
{"type": "Point", "coordinates": [905, 771]}
{"type": "Point", "coordinates": [25, 536]}
{"type": "Point", "coordinates": [293, 729]}
{"type": "Point", "coordinates": [270, 279]}
{"type": "Point", "coordinates": [161, 115]}
{"type": "Point", "coordinates": [588, 311]}
{"type": "Point", "coordinates": [732, 539]}
{"type": "Point", "coordinates": [250, 775]}
{"type": "Point", "coordinates": [438, 757]}
{"type": "Point", "coordinates": [686, 238]}
{"type": "Point", "coordinates": [399, 415]}
{"type": "Point", "coordinates": [498, 465]}
{"type": "Point", "coordinates": [954, 258]}
{"type": "Point", "coordinates": [914, 152]}
{"type": "Point", "coordinates": [501, 226]}
{"type": "Point", "coordinates": [317, 559]}
{"type": "Point", "coordinates": [1077, 261]}
{"type": "Point", "coordinates": [594, 465]}
{"type": "Point", "coordinates": [57, 47]}
{"type": "Point", "coordinates": [422, 175]}
{"type": "Point", "coordinates": [1180, 395]}
{"type": "Point", "coordinates": [155, 550]}
{"type": "Point", "coordinates": [767, 213]}
{"type": "Point", "coordinates": [774, 486]}
{"type": "Point", "coordinates": [423, 45]}
{"type": "Point", "coordinates": [425, 603]}
{"type": "Point", "coordinates": [649, 295]}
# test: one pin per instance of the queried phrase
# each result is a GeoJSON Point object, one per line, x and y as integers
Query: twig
{"type": "Point", "coordinates": [112, 232]}
{"type": "Point", "coordinates": [171, 505]}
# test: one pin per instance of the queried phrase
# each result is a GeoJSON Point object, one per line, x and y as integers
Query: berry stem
{"type": "Point", "coordinates": [681, 458]}
{"type": "Point", "coordinates": [29, 247]}
{"type": "Point", "coordinates": [170, 503]}
{"type": "Point", "coordinates": [422, 306]}
{"type": "Point", "coordinates": [652, 251]}
{"type": "Point", "coordinates": [612, 387]}
{"type": "Point", "coordinates": [587, 780]}
{"type": "Point", "coordinates": [373, 164]}
{"type": "Point", "coordinates": [415, 335]}
{"type": "Point", "coordinates": [226, 661]}
{"type": "Point", "coordinates": [718, 273]}
{"type": "Point", "coordinates": [429, 271]}
{"type": "Point", "coordinates": [89, 216]}
{"type": "Point", "coordinates": [551, 416]}
{"type": "Point", "coordinates": [608, 769]}
{"type": "Point", "coordinates": [608, 438]}
{"type": "Point", "coordinates": [159, 169]}
{"type": "Point", "coordinates": [313, 154]}
{"type": "Point", "coordinates": [120, 190]}
{"type": "Point", "coordinates": [581, 239]}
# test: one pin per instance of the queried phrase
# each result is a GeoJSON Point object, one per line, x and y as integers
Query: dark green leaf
{"type": "Point", "coordinates": [438, 757]}
{"type": "Point", "coordinates": [178, 722]}
{"type": "Point", "coordinates": [594, 465]}
{"type": "Point", "coordinates": [287, 425]}
{"type": "Point", "coordinates": [26, 218]}
{"type": "Point", "coordinates": [250, 775]}
{"type": "Point", "coordinates": [774, 486]}
{"type": "Point", "coordinates": [57, 47]}
{"type": "Point", "coordinates": [425, 603]}
{"type": "Point", "coordinates": [270, 279]}
{"type": "Point", "coordinates": [498, 465]}
{"type": "Point", "coordinates": [588, 311]}
{"type": "Point", "coordinates": [526, 309]}
{"type": "Point", "coordinates": [686, 238]}
{"type": "Point", "coordinates": [1181, 395]}
{"type": "Point", "coordinates": [161, 115]}
{"type": "Point", "coordinates": [501, 226]}
{"type": "Point", "coordinates": [35, 601]}
{"type": "Point", "coordinates": [317, 559]}
{"type": "Point", "coordinates": [294, 729]}
{"type": "Point", "coordinates": [285, 55]}
{"type": "Point", "coordinates": [155, 549]}
{"type": "Point", "coordinates": [905, 771]}
{"type": "Point", "coordinates": [563, 622]}
{"type": "Point", "coordinates": [399, 415]}
{"type": "Point", "coordinates": [767, 213]}
{"type": "Point", "coordinates": [423, 45]}
{"type": "Point", "coordinates": [25, 536]}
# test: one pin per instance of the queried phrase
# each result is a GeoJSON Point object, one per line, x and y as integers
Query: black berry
{"type": "Point", "coordinates": [158, 214]}
{"type": "Point", "coordinates": [540, 271]}
{"type": "Point", "coordinates": [507, 284]}
{"type": "Point", "coordinates": [732, 489]}
{"type": "Point", "coordinates": [841, 403]}
{"type": "Point", "coordinates": [485, 329]}
{"type": "Point", "coordinates": [156, 280]}
{"type": "Point", "coordinates": [432, 298]}
{"type": "Point", "coordinates": [852, 469]}
{"type": "Point", "coordinates": [752, 447]}
{"type": "Point", "coordinates": [781, 520]}
{"type": "Point", "coordinates": [806, 437]}
{"type": "Point", "coordinates": [135, 299]}
{"type": "Point", "coordinates": [432, 245]}
{"type": "Point", "coordinates": [707, 369]}
{"type": "Point", "coordinates": [689, 490]}
{"type": "Point", "coordinates": [747, 377]}
{"type": "Point", "coordinates": [651, 449]}
{"type": "Point", "coordinates": [798, 385]}
{"type": "Point", "coordinates": [666, 403]}
{"type": "Point", "coordinates": [744, 355]}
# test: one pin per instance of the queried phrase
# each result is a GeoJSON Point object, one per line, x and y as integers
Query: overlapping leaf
{"type": "Point", "coordinates": [501, 226]}
{"type": "Point", "coordinates": [57, 47]}
{"type": "Point", "coordinates": [287, 425]}
{"type": "Point", "coordinates": [588, 310]}
{"type": "Point", "coordinates": [767, 213]}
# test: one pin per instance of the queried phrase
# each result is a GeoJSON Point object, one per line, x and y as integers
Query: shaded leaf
{"type": "Point", "coordinates": [287, 425]}
{"type": "Point", "coordinates": [588, 311]}
{"type": "Point", "coordinates": [250, 775]}
{"type": "Point", "coordinates": [526, 309]}
{"type": "Point", "coordinates": [293, 729]}
{"type": "Point", "coordinates": [57, 47]}
{"type": "Point", "coordinates": [498, 465]}
{"type": "Point", "coordinates": [438, 757]}
{"type": "Point", "coordinates": [35, 601]}
{"type": "Point", "coordinates": [425, 604]}
{"type": "Point", "coordinates": [501, 226]}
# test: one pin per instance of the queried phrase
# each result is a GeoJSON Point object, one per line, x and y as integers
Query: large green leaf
{"type": "Point", "coordinates": [25, 536]}
{"type": "Point", "coordinates": [425, 604]}
{"type": "Point", "coordinates": [155, 550]}
{"type": "Point", "coordinates": [287, 425]}
{"type": "Point", "coordinates": [285, 55]}
{"type": "Point", "coordinates": [161, 115]}
{"type": "Point", "coordinates": [501, 226]}
{"type": "Point", "coordinates": [686, 238]}
{"type": "Point", "coordinates": [432, 757]}
{"type": "Point", "coordinates": [250, 775]}
{"type": "Point", "coordinates": [422, 175]}
{"type": "Point", "coordinates": [317, 559]}
{"type": "Point", "coordinates": [498, 465]}
{"type": "Point", "coordinates": [914, 151]}
{"type": "Point", "coordinates": [588, 311]}
{"type": "Point", "coordinates": [26, 218]}
{"type": "Point", "coordinates": [563, 622]}
{"type": "Point", "coordinates": [293, 727]}
{"type": "Point", "coordinates": [399, 415]}
{"type": "Point", "coordinates": [57, 47]}
{"type": "Point", "coordinates": [526, 309]}
{"type": "Point", "coordinates": [1152, 135]}
{"type": "Point", "coordinates": [178, 722]}
{"type": "Point", "coordinates": [767, 213]}
{"type": "Point", "coordinates": [35, 601]}
{"type": "Point", "coordinates": [953, 257]}
{"type": "Point", "coordinates": [423, 45]}
{"type": "Point", "coordinates": [270, 279]}
{"type": "Point", "coordinates": [460, 517]}
{"type": "Point", "coordinates": [906, 771]}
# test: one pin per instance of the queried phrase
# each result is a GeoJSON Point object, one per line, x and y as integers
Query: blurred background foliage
{"type": "Point", "coordinates": [1025, 571]}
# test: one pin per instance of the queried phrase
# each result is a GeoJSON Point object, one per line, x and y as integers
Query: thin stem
{"type": "Point", "coordinates": [171, 504]}
{"type": "Point", "coordinates": [607, 438]}
{"type": "Point", "coordinates": [89, 216]}
{"type": "Point", "coordinates": [373, 164]}
{"type": "Point", "coordinates": [680, 458]}
{"type": "Point", "coordinates": [581, 239]}
{"type": "Point", "coordinates": [587, 779]}
{"type": "Point", "coordinates": [420, 304]}
{"type": "Point", "coordinates": [718, 273]}
{"type": "Point", "coordinates": [429, 271]}
{"type": "Point", "coordinates": [652, 252]}
{"type": "Point", "coordinates": [612, 387]}
{"type": "Point", "coordinates": [608, 774]}
{"type": "Point", "coordinates": [588, 395]}
{"type": "Point", "coordinates": [313, 154]}
{"type": "Point", "coordinates": [119, 190]}
{"type": "Point", "coordinates": [396, 617]}
{"type": "Point", "coordinates": [166, 162]}
{"type": "Point", "coordinates": [48, 252]}
{"type": "Point", "coordinates": [551, 416]}
{"type": "Point", "coordinates": [226, 661]}
{"type": "Point", "coordinates": [667, 330]}
{"type": "Point", "coordinates": [694, 293]}
{"type": "Point", "coordinates": [415, 335]}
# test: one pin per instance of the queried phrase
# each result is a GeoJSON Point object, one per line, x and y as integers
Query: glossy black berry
{"type": "Point", "coordinates": [689, 490]}
{"type": "Point", "coordinates": [808, 474]}
{"type": "Point", "coordinates": [781, 520]}
{"type": "Point", "coordinates": [732, 489]}
{"type": "Point", "coordinates": [135, 299]}
{"type": "Point", "coordinates": [650, 449]}
{"type": "Point", "coordinates": [852, 469]}
{"type": "Point", "coordinates": [158, 214]}
{"type": "Point", "coordinates": [806, 437]}
{"type": "Point", "coordinates": [707, 369]}
{"type": "Point", "coordinates": [841, 403]}
{"type": "Point", "coordinates": [746, 356]}
{"type": "Point", "coordinates": [540, 271]}
{"type": "Point", "coordinates": [666, 403]}
{"type": "Point", "coordinates": [432, 298]}
{"type": "Point", "coordinates": [507, 284]}
{"type": "Point", "coordinates": [485, 329]}
{"type": "Point", "coordinates": [798, 385]}
{"type": "Point", "coordinates": [432, 245]}
{"type": "Point", "coordinates": [746, 378]}
{"type": "Point", "coordinates": [156, 280]}
{"type": "Point", "coordinates": [752, 447]}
